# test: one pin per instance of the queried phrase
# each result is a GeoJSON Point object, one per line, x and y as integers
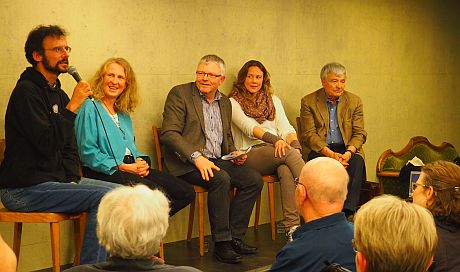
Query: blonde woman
{"type": "Point", "coordinates": [105, 136]}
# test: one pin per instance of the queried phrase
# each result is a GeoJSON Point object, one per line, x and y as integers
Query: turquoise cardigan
{"type": "Point", "coordinates": [93, 145]}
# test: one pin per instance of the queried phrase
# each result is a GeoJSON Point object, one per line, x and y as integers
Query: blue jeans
{"type": "Point", "coordinates": [65, 198]}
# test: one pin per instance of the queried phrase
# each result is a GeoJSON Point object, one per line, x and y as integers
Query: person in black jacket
{"type": "Point", "coordinates": [438, 190]}
{"type": "Point", "coordinates": [40, 167]}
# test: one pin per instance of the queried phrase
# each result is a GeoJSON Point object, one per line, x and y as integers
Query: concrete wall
{"type": "Point", "coordinates": [401, 58]}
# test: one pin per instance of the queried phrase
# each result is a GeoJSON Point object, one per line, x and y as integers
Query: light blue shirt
{"type": "Point", "coordinates": [92, 141]}
{"type": "Point", "coordinates": [334, 136]}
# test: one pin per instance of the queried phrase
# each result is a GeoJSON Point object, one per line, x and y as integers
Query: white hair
{"type": "Point", "coordinates": [333, 67]}
{"type": "Point", "coordinates": [216, 59]}
{"type": "Point", "coordinates": [132, 221]}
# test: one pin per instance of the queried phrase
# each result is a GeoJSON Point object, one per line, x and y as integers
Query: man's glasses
{"type": "Point", "coordinates": [60, 50]}
{"type": "Point", "coordinates": [203, 75]}
{"type": "Point", "coordinates": [416, 184]}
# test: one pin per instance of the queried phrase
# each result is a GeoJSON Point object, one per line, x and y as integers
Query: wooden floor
{"type": "Point", "coordinates": [187, 253]}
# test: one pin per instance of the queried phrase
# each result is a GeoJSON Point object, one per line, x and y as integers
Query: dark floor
{"type": "Point", "coordinates": [185, 253]}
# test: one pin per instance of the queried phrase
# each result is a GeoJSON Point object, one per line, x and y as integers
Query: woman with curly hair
{"type": "Point", "coordinates": [438, 190]}
{"type": "Point", "coordinates": [105, 136]}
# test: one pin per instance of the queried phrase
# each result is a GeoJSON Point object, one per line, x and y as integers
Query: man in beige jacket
{"type": "Point", "coordinates": [333, 126]}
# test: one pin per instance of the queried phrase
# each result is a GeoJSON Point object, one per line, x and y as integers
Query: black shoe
{"type": "Point", "coordinates": [241, 248]}
{"type": "Point", "coordinates": [224, 252]}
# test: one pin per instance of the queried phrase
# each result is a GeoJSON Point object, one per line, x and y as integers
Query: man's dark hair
{"type": "Point", "coordinates": [35, 39]}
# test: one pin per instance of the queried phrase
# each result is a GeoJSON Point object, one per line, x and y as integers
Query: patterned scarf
{"type": "Point", "coordinates": [261, 109]}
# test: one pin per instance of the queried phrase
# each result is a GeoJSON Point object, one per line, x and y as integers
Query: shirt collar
{"type": "Point", "coordinates": [216, 98]}
{"type": "Point", "coordinates": [331, 101]}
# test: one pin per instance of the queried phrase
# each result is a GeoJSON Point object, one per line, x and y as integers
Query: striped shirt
{"type": "Point", "coordinates": [213, 126]}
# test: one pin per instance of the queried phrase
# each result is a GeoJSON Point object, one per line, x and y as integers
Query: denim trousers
{"type": "Point", "coordinates": [64, 198]}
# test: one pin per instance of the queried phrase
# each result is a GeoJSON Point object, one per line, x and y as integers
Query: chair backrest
{"type": "Point", "coordinates": [419, 146]}
{"type": "Point", "coordinates": [390, 163]}
{"type": "Point", "coordinates": [2, 149]}
{"type": "Point", "coordinates": [305, 149]}
{"type": "Point", "coordinates": [156, 139]}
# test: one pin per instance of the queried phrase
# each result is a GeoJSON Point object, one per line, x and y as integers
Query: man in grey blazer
{"type": "Point", "coordinates": [196, 133]}
{"type": "Point", "coordinates": [333, 126]}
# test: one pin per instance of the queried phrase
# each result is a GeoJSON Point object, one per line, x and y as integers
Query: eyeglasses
{"type": "Point", "coordinates": [60, 50]}
{"type": "Point", "coordinates": [353, 245]}
{"type": "Point", "coordinates": [416, 184]}
{"type": "Point", "coordinates": [297, 182]}
{"type": "Point", "coordinates": [203, 74]}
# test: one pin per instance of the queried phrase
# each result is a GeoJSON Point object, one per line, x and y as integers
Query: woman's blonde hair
{"type": "Point", "coordinates": [394, 235]}
{"type": "Point", "coordinates": [129, 98]}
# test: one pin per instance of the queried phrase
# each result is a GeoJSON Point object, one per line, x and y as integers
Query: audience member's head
{"type": "Point", "coordinates": [393, 235]}
{"type": "Point", "coordinates": [438, 190]}
{"type": "Point", "coordinates": [8, 259]}
{"type": "Point", "coordinates": [132, 221]}
{"type": "Point", "coordinates": [322, 188]}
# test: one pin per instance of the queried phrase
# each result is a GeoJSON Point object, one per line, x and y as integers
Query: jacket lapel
{"type": "Point", "coordinates": [322, 107]}
{"type": "Point", "coordinates": [196, 98]}
{"type": "Point", "coordinates": [341, 110]}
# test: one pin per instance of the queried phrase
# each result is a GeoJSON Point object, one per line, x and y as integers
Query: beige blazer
{"type": "Point", "coordinates": [314, 118]}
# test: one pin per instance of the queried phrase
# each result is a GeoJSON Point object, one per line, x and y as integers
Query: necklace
{"type": "Point", "coordinates": [108, 109]}
{"type": "Point", "coordinates": [114, 116]}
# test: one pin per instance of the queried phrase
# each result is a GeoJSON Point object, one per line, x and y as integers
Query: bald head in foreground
{"type": "Point", "coordinates": [394, 235]}
{"type": "Point", "coordinates": [326, 236]}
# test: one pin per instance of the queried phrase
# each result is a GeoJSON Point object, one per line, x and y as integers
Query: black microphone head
{"type": "Point", "coordinates": [73, 72]}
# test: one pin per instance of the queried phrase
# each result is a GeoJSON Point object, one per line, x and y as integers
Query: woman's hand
{"type": "Point", "coordinates": [240, 160]}
{"type": "Point", "coordinates": [140, 168]}
{"type": "Point", "coordinates": [280, 148]}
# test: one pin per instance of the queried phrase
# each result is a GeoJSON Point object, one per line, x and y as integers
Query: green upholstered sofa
{"type": "Point", "coordinates": [390, 163]}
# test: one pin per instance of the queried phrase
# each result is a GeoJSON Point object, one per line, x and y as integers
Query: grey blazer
{"type": "Point", "coordinates": [183, 129]}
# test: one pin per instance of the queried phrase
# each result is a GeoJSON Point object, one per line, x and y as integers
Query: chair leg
{"type": "Point", "coordinates": [79, 234]}
{"type": "Point", "coordinates": [162, 250]}
{"type": "Point", "coordinates": [191, 216]}
{"type": "Point", "coordinates": [55, 246]}
{"type": "Point", "coordinates": [17, 239]}
{"type": "Point", "coordinates": [271, 202]}
{"type": "Point", "coordinates": [256, 218]}
{"type": "Point", "coordinates": [201, 221]}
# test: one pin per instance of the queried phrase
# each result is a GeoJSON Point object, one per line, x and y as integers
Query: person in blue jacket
{"type": "Point", "coordinates": [106, 141]}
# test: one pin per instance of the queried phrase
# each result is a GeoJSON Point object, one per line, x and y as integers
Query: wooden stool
{"type": "Point", "coordinates": [53, 219]}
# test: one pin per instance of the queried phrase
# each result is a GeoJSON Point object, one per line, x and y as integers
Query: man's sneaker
{"type": "Point", "coordinates": [289, 233]}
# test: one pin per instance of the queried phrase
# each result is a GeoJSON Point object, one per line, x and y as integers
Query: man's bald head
{"type": "Point", "coordinates": [325, 180]}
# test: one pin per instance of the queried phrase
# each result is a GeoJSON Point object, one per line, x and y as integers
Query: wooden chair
{"type": "Point", "coordinates": [390, 163]}
{"type": "Point", "coordinates": [18, 218]}
{"type": "Point", "coordinates": [198, 190]}
{"type": "Point", "coordinates": [270, 181]}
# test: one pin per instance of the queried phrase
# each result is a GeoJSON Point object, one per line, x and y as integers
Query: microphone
{"type": "Point", "coordinates": [74, 73]}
